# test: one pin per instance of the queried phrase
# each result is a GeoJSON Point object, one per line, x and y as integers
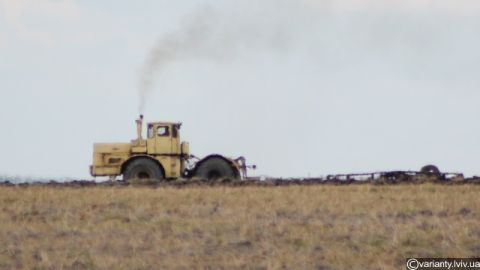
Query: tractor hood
{"type": "Point", "coordinates": [107, 158]}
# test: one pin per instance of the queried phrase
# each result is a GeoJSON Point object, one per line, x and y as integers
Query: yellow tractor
{"type": "Point", "coordinates": [160, 156]}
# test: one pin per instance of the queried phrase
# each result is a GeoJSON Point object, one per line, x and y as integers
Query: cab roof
{"type": "Point", "coordinates": [164, 123]}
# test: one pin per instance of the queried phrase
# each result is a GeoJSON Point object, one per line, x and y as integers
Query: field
{"type": "Point", "coordinates": [288, 227]}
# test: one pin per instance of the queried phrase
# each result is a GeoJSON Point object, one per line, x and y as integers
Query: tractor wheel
{"type": "Point", "coordinates": [215, 168]}
{"type": "Point", "coordinates": [430, 169]}
{"type": "Point", "coordinates": [141, 169]}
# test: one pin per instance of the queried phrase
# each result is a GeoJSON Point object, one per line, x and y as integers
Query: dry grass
{"type": "Point", "coordinates": [294, 227]}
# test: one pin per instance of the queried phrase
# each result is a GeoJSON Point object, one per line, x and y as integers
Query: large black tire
{"type": "Point", "coordinates": [430, 169]}
{"type": "Point", "coordinates": [143, 168]}
{"type": "Point", "coordinates": [214, 168]}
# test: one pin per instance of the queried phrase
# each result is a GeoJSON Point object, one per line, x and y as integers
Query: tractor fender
{"type": "Point", "coordinates": [132, 158]}
{"type": "Point", "coordinates": [230, 161]}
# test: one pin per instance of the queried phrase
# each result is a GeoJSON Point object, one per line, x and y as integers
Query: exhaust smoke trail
{"type": "Point", "coordinates": [401, 38]}
{"type": "Point", "coordinates": [206, 35]}
{"type": "Point", "coordinates": [169, 48]}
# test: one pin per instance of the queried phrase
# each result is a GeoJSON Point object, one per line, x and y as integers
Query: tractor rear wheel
{"type": "Point", "coordinates": [215, 168]}
{"type": "Point", "coordinates": [142, 169]}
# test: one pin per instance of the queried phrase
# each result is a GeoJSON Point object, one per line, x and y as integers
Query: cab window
{"type": "Point", "coordinates": [163, 131]}
{"type": "Point", "coordinates": [174, 131]}
{"type": "Point", "coordinates": [150, 131]}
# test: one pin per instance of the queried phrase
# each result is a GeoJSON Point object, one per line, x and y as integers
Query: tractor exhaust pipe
{"type": "Point", "coordinates": [139, 123]}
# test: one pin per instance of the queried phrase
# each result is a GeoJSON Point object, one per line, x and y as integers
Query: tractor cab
{"type": "Point", "coordinates": [163, 138]}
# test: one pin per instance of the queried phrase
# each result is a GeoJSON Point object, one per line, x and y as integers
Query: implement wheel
{"type": "Point", "coordinates": [214, 168]}
{"type": "Point", "coordinates": [430, 169]}
{"type": "Point", "coordinates": [142, 169]}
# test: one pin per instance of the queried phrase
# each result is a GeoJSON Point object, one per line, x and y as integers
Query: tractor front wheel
{"type": "Point", "coordinates": [214, 168]}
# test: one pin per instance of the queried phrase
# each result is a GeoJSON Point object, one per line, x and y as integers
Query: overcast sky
{"type": "Point", "coordinates": [299, 87]}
